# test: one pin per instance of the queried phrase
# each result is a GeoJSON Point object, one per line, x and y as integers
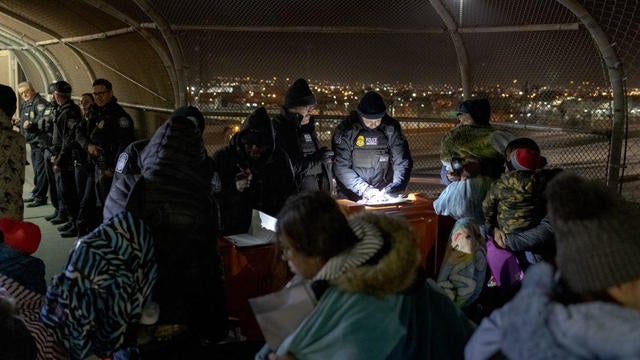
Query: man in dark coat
{"type": "Point", "coordinates": [372, 155]}
{"type": "Point", "coordinates": [254, 173]}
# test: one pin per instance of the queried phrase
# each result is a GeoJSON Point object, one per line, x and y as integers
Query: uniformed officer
{"type": "Point", "coordinates": [295, 132]}
{"type": "Point", "coordinates": [110, 130]}
{"type": "Point", "coordinates": [31, 109]}
{"type": "Point", "coordinates": [42, 131]}
{"type": "Point", "coordinates": [372, 155]}
{"type": "Point", "coordinates": [67, 152]}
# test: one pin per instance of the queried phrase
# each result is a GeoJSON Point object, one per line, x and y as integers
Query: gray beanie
{"type": "Point", "coordinates": [597, 234]}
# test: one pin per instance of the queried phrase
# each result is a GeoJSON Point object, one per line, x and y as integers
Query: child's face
{"type": "Point", "coordinates": [463, 240]}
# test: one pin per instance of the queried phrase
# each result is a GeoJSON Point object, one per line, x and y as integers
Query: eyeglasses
{"type": "Point", "coordinates": [100, 93]}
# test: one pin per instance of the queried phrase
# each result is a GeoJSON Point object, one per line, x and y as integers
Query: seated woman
{"type": "Point", "coordinates": [588, 305]}
{"type": "Point", "coordinates": [372, 301]}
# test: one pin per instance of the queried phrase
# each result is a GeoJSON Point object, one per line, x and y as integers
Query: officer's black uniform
{"type": "Point", "coordinates": [42, 132]}
{"type": "Point", "coordinates": [31, 111]}
{"type": "Point", "coordinates": [67, 152]}
{"type": "Point", "coordinates": [370, 158]}
{"type": "Point", "coordinates": [111, 128]}
{"type": "Point", "coordinates": [300, 142]}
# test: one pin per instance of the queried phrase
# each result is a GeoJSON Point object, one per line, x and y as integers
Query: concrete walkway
{"type": "Point", "coordinates": [53, 250]}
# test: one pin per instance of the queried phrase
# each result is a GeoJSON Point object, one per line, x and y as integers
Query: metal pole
{"type": "Point", "coordinates": [174, 49]}
{"type": "Point", "coordinates": [614, 69]}
{"type": "Point", "coordinates": [461, 51]}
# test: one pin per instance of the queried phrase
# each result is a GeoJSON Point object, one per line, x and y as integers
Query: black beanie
{"type": "Point", "coordinates": [596, 234]}
{"type": "Point", "coordinates": [192, 113]}
{"type": "Point", "coordinates": [372, 106]}
{"type": "Point", "coordinates": [479, 109]}
{"type": "Point", "coordinates": [299, 94]}
{"type": "Point", "coordinates": [7, 100]}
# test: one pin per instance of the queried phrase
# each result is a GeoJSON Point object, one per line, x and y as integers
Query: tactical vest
{"type": "Point", "coordinates": [308, 148]}
{"type": "Point", "coordinates": [371, 148]}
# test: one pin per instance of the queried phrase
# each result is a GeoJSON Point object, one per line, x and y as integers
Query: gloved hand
{"type": "Point", "coordinates": [393, 189]}
{"type": "Point", "coordinates": [325, 154]}
{"type": "Point", "coordinates": [371, 193]}
{"type": "Point", "coordinates": [243, 179]}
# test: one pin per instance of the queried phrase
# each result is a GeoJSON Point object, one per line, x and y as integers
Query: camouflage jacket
{"type": "Point", "coordinates": [515, 201]}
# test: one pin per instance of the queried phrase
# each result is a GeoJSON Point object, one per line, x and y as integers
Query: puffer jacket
{"type": "Point", "coordinates": [173, 199]}
{"type": "Point", "coordinates": [376, 305]}
{"type": "Point", "coordinates": [533, 326]}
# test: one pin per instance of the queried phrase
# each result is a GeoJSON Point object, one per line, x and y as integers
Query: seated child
{"type": "Point", "coordinates": [18, 240]}
{"type": "Point", "coordinates": [515, 201]}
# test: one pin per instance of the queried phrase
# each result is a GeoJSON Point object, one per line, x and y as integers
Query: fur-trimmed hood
{"type": "Point", "coordinates": [384, 262]}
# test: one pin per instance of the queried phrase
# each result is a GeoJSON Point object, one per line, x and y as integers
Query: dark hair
{"type": "Point", "coordinates": [104, 82]}
{"type": "Point", "coordinates": [315, 225]}
{"type": "Point", "coordinates": [90, 95]}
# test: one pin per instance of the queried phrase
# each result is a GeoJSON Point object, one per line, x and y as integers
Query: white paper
{"type": "Point", "coordinates": [280, 313]}
{"type": "Point", "coordinates": [261, 231]}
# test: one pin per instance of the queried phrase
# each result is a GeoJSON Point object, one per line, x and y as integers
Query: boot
{"type": "Point", "coordinates": [71, 232]}
{"type": "Point", "coordinates": [52, 216]}
{"type": "Point", "coordinates": [61, 219]}
{"type": "Point", "coordinates": [66, 227]}
{"type": "Point", "coordinates": [37, 202]}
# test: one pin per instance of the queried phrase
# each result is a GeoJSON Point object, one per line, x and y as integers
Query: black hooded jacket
{"type": "Point", "coordinates": [173, 198]}
{"type": "Point", "coordinates": [272, 177]}
{"type": "Point", "coordinates": [301, 144]}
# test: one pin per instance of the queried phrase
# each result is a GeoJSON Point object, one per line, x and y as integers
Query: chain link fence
{"type": "Point", "coordinates": [534, 61]}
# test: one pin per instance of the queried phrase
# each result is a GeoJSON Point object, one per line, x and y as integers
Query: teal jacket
{"type": "Point", "coordinates": [377, 310]}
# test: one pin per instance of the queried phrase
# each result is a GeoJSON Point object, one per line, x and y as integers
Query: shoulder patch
{"type": "Point", "coordinates": [124, 122]}
{"type": "Point", "coordinates": [122, 162]}
{"type": "Point", "coordinates": [40, 107]}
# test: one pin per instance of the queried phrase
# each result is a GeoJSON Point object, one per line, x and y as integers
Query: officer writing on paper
{"type": "Point", "coordinates": [372, 158]}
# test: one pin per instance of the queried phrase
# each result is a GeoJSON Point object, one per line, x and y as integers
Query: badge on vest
{"type": "Point", "coordinates": [307, 138]}
{"type": "Point", "coordinates": [122, 162]}
{"type": "Point", "coordinates": [371, 141]}
{"type": "Point", "coordinates": [360, 141]}
{"type": "Point", "coordinates": [124, 122]}
{"type": "Point", "coordinates": [100, 124]}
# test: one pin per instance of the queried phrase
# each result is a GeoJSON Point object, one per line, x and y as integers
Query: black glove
{"type": "Point", "coordinates": [326, 154]}
{"type": "Point", "coordinates": [393, 189]}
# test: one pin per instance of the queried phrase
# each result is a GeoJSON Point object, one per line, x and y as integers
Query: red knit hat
{"type": "Point", "coordinates": [21, 235]}
{"type": "Point", "coordinates": [525, 159]}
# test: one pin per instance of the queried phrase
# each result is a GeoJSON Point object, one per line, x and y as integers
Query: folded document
{"type": "Point", "coordinates": [261, 231]}
{"type": "Point", "coordinates": [280, 313]}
